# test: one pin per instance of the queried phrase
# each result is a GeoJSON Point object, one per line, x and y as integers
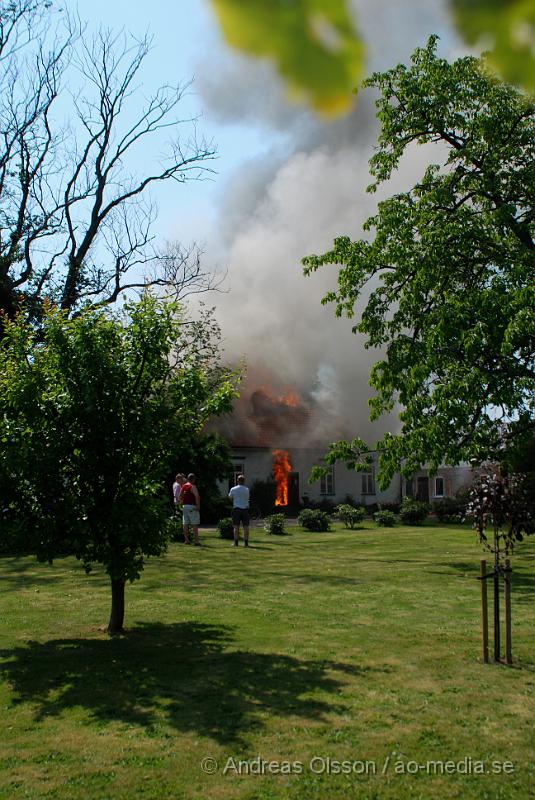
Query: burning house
{"type": "Point", "coordinates": [279, 435]}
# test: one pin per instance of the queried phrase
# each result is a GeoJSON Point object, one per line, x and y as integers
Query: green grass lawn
{"type": "Point", "coordinates": [360, 646]}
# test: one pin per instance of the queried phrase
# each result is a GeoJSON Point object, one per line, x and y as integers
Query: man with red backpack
{"type": "Point", "coordinates": [191, 504]}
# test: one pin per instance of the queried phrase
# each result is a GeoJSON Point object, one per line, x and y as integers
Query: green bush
{"type": "Point", "coordinates": [413, 512]}
{"type": "Point", "coordinates": [275, 524]}
{"type": "Point", "coordinates": [387, 519]}
{"type": "Point", "coordinates": [175, 529]}
{"type": "Point", "coordinates": [448, 509]}
{"type": "Point", "coordinates": [225, 528]}
{"type": "Point", "coordinates": [314, 520]}
{"type": "Point", "coordinates": [350, 515]}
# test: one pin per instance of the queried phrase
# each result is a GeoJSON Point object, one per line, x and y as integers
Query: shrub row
{"type": "Point", "coordinates": [409, 512]}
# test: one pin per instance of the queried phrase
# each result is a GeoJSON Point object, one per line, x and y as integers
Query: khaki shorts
{"type": "Point", "coordinates": [190, 515]}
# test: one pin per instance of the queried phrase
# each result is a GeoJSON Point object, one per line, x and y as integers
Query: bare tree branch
{"type": "Point", "coordinates": [75, 220]}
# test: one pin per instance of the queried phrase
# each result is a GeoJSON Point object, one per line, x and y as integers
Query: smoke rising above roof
{"type": "Point", "coordinates": [305, 190]}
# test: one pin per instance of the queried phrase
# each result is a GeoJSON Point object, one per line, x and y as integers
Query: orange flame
{"type": "Point", "coordinates": [281, 470]}
{"type": "Point", "coordinates": [290, 399]}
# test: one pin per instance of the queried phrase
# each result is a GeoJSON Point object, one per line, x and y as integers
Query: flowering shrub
{"type": "Point", "coordinates": [350, 515]}
{"type": "Point", "coordinates": [387, 519]}
{"type": "Point", "coordinates": [275, 524]}
{"type": "Point", "coordinates": [502, 504]}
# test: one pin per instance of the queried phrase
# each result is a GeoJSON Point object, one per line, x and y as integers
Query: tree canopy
{"type": "Point", "coordinates": [93, 413]}
{"type": "Point", "coordinates": [444, 284]}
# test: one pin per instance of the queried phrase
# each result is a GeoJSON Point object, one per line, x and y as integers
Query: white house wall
{"type": "Point", "coordinates": [257, 464]}
{"type": "Point", "coordinates": [455, 479]}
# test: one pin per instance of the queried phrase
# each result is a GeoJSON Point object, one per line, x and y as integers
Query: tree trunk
{"type": "Point", "coordinates": [115, 624]}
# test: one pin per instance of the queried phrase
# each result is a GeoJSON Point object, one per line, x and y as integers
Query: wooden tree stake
{"type": "Point", "coordinates": [507, 603]}
{"type": "Point", "coordinates": [496, 583]}
{"type": "Point", "coordinates": [484, 610]}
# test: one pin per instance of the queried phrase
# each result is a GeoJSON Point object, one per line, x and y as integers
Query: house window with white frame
{"type": "Point", "coordinates": [368, 481]}
{"type": "Point", "coordinates": [439, 486]}
{"type": "Point", "coordinates": [327, 482]}
{"type": "Point", "coordinates": [237, 469]}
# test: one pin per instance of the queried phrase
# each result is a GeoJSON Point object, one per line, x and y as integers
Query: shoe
{"type": "Point", "coordinates": [197, 544]}
{"type": "Point", "coordinates": [234, 544]}
{"type": "Point", "coordinates": [187, 541]}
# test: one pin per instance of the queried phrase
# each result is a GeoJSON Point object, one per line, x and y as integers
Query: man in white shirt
{"type": "Point", "coordinates": [180, 480]}
{"type": "Point", "coordinates": [239, 495]}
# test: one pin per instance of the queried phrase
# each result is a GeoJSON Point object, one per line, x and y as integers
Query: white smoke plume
{"type": "Point", "coordinates": [293, 202]}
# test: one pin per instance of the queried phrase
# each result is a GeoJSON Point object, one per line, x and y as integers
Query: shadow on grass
{"type": "Point", "coordinates": [523, 583]}
{"type": "Point", "coordinates": [522, 586]}
{"type": "Point", "coordinates": [25, 571]}
{"type": "Point", "coordinates": [181, 674]}
{"type": "Point", "coordinates": [315, 577]}
{"type": "Point", "coordinates": [465, 569]}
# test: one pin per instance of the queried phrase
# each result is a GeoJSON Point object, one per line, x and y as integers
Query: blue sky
{"type": "Point", "coordinates": [185, 34]}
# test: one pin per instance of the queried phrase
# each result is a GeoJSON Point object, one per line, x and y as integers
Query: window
{"type": "Point", "coordinates": [327, 482]}
{"type": "Point", "coordinates": [439, 487]}
{"type": "Point", "coordinates": [368, 482]}
{"type": "Point", "coordinates": [409, 489]}
{"type": "Point", "coordinates": [237, 469]}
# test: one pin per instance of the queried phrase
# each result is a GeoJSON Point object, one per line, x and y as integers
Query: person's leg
{"type": "Point", "coordinates": [185, 527]}
{"type": "Point", "coordinates": [195, 529]}
{"type": "Point", "coordinates": [245, 522]}
{"type": "Point", "coordinates": [236, 526]}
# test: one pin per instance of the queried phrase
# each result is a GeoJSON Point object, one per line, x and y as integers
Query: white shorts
{"type": "Point", "coordinates": [190, 515]}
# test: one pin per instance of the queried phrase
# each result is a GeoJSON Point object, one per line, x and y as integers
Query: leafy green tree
{"type": "Point", "coordinates": [313, 44]}
{"type": "Point", "coordinates": [508, 29]}
{"type": "Point", "coordinates": [447, 268]}
{"type": "Point", "coordinates": [91, 409]}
